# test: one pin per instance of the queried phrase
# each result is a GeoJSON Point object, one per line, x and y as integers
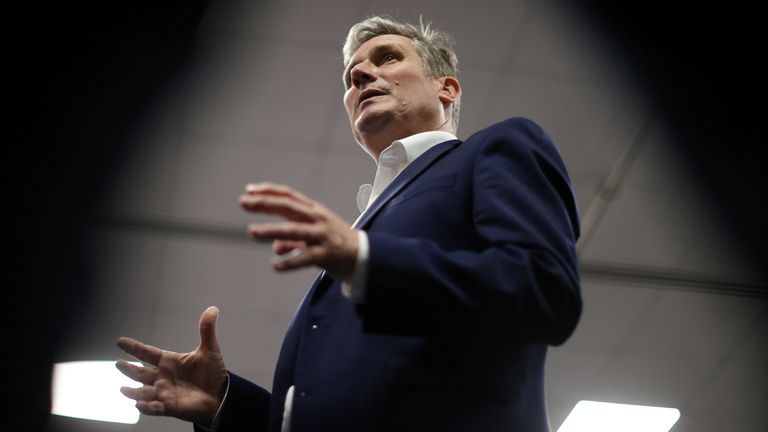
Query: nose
{"type": "Point", "coordinates": [361, 75]}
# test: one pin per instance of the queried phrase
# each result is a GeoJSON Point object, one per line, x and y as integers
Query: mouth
{"type": "Point", "coordinates": [369, 93]}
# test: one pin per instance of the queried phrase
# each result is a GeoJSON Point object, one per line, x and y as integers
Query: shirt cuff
{"type": "Point", "coordinates": [355, 291]}
{"type": "Point", "coordinates": [217, 418]}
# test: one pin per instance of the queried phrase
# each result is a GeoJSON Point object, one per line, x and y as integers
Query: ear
{"type": "Point", "coordinates": [450, 90]}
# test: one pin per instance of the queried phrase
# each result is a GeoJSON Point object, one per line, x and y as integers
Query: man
{"type": "Point", "coordinates": [435, 312]}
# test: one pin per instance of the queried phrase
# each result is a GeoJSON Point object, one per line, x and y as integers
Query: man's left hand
{"type": "Point", "coordinates": [311, 234]}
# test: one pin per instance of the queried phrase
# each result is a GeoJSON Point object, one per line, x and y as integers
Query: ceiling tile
{"type": "Point", "coordinates": [308, 21]}
{"type": "Point", "coordinates": [485, 31]}
{"type": "Point", "coordinates": [211, 177]}
{"type": "Point", "coordinates": [478, 86]}
{"type": "Point", "coordinates": [558, 45]}
{"type": "Point", "coordinates": [296, 21]}
{"type": "Point", "coordinates": [141, 181]}
{"type": "Point", "coordinates": [589, 124]}
{"type": "Point", "coordinates": [231, 274]}
{"type": "Point", "coordinates": [612, 314]}
{"type": "Point", "coordinates": [752, 350]}
{"type": "Point", "coordinates": [125, 270]}
{"type": "Point", "coordinates": [262, 91]}
{"type": "Point", "coordinates": [714, 253]}
{"type": "Point", "coordinates": [642, 229]}
{"type": "Point", "coordinates": [585, 187]}
{"type": "Point", "coordinates": [656, 167]}
{"type": "Point", "coordinates": [341, 141]}
{"type": "Point", "coordinates": [735, 393]}
{"type": "Point", "coordinates": [653, 379]}
{"type": "Point", "coordinates": [694, 326]}
{"type": "Point", "coordinates": [662, 347]}
{"type": "Point", "coordinates": [660, 211]}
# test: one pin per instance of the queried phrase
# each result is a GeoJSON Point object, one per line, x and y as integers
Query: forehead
{"type": "Point", "coordinates": [378, 42]}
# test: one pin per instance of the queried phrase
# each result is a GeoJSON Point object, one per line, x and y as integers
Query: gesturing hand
{"type": "Point", "coordinates": [188, 386]}
{"type": "Point", "coordinates": [310, 235]}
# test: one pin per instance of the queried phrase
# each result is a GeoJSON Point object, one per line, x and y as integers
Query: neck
{"type": "Point", "coordinates": [374, 143]}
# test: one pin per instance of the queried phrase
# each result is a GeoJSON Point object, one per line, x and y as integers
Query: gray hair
{"type": "Point", "coordinates": [433, 46]}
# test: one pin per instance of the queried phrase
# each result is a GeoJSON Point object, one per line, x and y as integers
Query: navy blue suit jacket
{"type": "Point", "coordinates": [472, 274]}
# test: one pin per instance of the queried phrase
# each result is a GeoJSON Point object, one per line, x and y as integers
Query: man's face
{"type": "Point", "coordinates": [388, 92]}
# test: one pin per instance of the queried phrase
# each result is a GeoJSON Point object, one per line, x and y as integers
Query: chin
{"type": "Point", "coordinates": [371, 122]}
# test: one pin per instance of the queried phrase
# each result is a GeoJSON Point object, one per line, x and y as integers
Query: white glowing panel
{"type": "Point", "coordinates": [591, 416]}
{"type": "Point", "coordinates": [91, 390]}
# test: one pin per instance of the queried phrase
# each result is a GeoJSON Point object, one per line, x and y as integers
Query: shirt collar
{"type": "Point", "coordinates": [395, 158]}
{"type": "Point", "coordinates": [406, 150]}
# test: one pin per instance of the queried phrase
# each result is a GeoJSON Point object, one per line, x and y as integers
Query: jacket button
{"type": "Point", "coordinates": [314, 326]}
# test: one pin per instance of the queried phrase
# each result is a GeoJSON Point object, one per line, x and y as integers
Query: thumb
{"type": "Point", "coordinates": [208, 340]}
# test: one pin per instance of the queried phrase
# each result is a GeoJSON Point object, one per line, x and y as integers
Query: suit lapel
{"type": "Point", "coordinates": [409, 174]}
{"type": "Point", "coordinates": [319, 280]}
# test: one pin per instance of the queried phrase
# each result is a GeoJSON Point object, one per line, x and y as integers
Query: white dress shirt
{"type": "Point", "coordinates": [392, 161]}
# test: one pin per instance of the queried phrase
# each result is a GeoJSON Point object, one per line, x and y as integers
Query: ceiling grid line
{"type": "Point", "coordinates": [610, 185]}
{"type": "Point", "coordinates": [717, 368]}
{"type": "Point", "coordinates": [642, 276]}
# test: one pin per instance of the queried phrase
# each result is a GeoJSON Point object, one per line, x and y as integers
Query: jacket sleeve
{"type": "Point", "coordinates": [246, 408]}
{"type": "Point", "coordinates": [520, 277]}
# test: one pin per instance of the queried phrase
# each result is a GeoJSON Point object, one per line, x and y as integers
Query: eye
{"type": "Point", "coordinates": [388, 58]}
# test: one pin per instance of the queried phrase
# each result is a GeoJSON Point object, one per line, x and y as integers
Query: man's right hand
{"type": "Point", "coordinates": [189, 386]}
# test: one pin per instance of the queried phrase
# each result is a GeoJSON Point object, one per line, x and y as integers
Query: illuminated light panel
{"type": "Point", "coordinates": [592, 416]}
{"type": "Point", "coordinates": [91, 390]}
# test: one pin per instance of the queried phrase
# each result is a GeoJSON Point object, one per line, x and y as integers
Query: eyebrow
{"type": "Point", "coordinates": [372, 53]}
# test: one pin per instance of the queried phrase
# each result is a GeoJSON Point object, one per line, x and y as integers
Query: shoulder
{"type": "Point", "coordinates": [514, 135]}
{"type": "Point", "coordinates": [513, 124]}
{"type": "Point", "coordinates": [514, 128]}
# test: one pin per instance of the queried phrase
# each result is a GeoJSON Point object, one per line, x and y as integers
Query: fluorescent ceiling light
{"type": "Point", "coordinates": [91, 390]}
{"type": "Point", "coordinates": [591, 416]}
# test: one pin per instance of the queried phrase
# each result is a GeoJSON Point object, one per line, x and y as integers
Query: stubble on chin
{"type": "Point", "coordinates": [371, 120]}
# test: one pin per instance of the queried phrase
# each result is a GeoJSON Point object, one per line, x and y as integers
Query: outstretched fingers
{"type": "Point", "coordinates": [146, 399]}
{"type": "Point", "coordinates": [311, 235]}
{"type": "Point", "coordinates": [144, 375]}
{"type": "Point", "coordinates": [286, 207]}
{"type": "Point", "coordinates": [312, 255]}
{"type": "Point", "coordinates": [266, 188]}
{"type": "Point", "coordinates": [153, 408]}
{"type": "Point", "coordinates": [281, 247]}
{"type": "Point", "coordinates": [146, 353]}
{"type": "Point", "coordinates": [145, 393]}
{"type": "Point", "coordinates": [292, 231]}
